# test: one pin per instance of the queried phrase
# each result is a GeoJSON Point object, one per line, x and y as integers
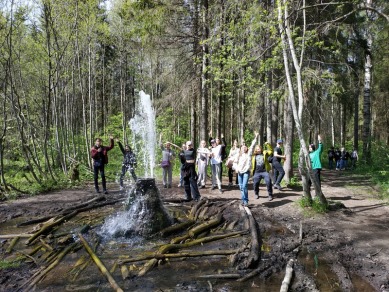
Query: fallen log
{"type": "Point", "coordinates": [174, 247]}
{"type": "Point", "coordinates": [12, 244]}
{"type": "Point", "coordinates": [147, 267]}
{"type": "Point", "coordinates": [176, 228]}
{"type": "Point", "coordinates": [99, 264]}
{"type": "Point", "coordinates": [253, 258]}
{"type": "Point", "coordinates": [206, 226]}
{"type": "Point", "coordinates": [60, 256]}
{"type": "Point", "coordinates": [63, 213]}
{"type": "Point", "coordinates": [178, 255]}
{"type": "Point", "coordinates": [21, 235]}
{"type": "Point", "coordinates": [221, 276]}
{"type": "Point", "coordinates": [193, 211]}
{"type": "Point", "coordinates": [48, 227]}
{"type": "Point", "coordinates": [288, 276]}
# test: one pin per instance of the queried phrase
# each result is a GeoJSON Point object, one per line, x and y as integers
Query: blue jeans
{"type": "Point", "coordinates": [243, 179]}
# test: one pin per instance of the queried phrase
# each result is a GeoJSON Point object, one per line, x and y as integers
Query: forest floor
{"type": "Point", "coordinates": [347, 248]}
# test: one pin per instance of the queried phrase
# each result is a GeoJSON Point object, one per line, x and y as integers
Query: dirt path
{"type": "Point", "coordinates": [356, 237]}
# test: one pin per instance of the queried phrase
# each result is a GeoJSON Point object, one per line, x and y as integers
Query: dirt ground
{"type": "Point", "coordinates": [352, 241]}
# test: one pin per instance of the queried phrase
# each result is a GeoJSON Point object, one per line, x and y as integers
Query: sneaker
{"type": "Point", "coordinates": [179, 185]}
{"type": "Point", "coordinates": [97, 191]}
{"type": "Point", "coordinates": [105, 192]}
{"type": "Point", "coordinates": [202, 187]}
{"type": "Point", "coordinates": [245, 204]}
{"type": "Point", "coordinates": [121, 188]}
{"type": "Point", "coordinates": [230, 185]}
{"type": "Point", "coordinates": [213, 187]}
{"type": "Point", "coordinates": [169, 186]}
{"type": "Point", "coordinates": [165, 186]}
{"type": "Point", "coordinates": [221, 191]}
{"type": "Point", "coordinates": [256, 196]}
{"type": "Point", "coordinates": [270, 198]}
{"type": "Point", "coordinates": [278, 187]}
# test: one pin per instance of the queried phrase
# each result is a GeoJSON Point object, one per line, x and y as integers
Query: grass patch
{"type": "Point", "coordinates": [312, 207]}
{"type": "Point", "coordinates": [9, 264]}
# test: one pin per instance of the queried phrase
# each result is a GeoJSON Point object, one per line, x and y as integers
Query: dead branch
{"type": "Point", "coordinates": [173, 247]}
{"type": "Point", "coordinates": [99, 264]}
{"type": "Point", "coordinates": [176, 228]}
{"type": "Point", "coordinates": [12, 244]}
{"type": "Point", "coordinates": [60, 256]}
{"type": "Point", "coordinates": [288, 276]}
{"type": "Point", "coordinates": [221, 276]}
{"type": "Point", "coordinates": [205, 226]}
{"type": "Point", "coordinates": [147, 267]}
{"type": "Point", "coordinates": [179, 255]}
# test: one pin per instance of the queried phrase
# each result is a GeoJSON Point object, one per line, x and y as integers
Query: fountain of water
{"type": "Point", "coordinates": [145, 214]}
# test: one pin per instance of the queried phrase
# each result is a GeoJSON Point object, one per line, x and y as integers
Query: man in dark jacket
{"type": "Point", "coordinates": [129, 162]}
{"type": "Point", "coordinates": [188, 160]}
{"type": "Point", "coordinates": [100, 158]}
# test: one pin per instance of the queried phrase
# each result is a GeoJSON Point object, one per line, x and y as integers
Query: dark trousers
{"type": "Point", "coordinates": [278, 172]}
{"type": "Point", "coordinates": [96, 170]}
{"type": "Point", "coordinates": [257, 179]}
{"type": "Point", "coordinates": [316, 174]}
{"type": "Point", "coordinates": [126, 168]}
{"type": "Point", "coordinates": [191, 188]}
{"type": "Point", "coordinates": [231, 176]}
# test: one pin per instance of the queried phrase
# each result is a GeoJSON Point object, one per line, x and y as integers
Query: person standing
{"type": "Point", "coordinates": [202, 163]}
{"type": "Point", "coordinates": [188, 159]}
{"type": "Point", "coordinates": [331, 157]}
{"type": "Point", "coordinates": [277, 166]}
{"type": "Point", "coordinates": [216, 163]}
{"type": "Point", "coordinates": [242, 164]}
{"type": "Point", "coordinates": [167, 157]}
{"type": "Point", "coordinates": [354, 158]}
{"type": "Point", "coordinates": [261, 169]}
{"type": "Point", "coordinates": [181, 184]}
{"type": "Point", "coordinates": [315, 155]}
{"type": "Point", "coordinates": [234, 151]}
{"type": "Point", "coordinates": [99, 154]}
{"type": "Point", "coordinates": [337, 159]}
{"type": "Point", "coordinates": [129, 162]}
{"type": "Point", "coordinates": [343, 158]}
{"type": "Point", "coordinates": [223, 155]}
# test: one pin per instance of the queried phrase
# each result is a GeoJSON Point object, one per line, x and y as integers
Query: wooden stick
{"type": "Point", "coordinates": [179, 255]}
{"type": "Point", "coordinates": [6, 236]}
{"type": "Point", "coordinates": [100, 265]}
{"type": "Point", "coordinates": [12, 244]}
{"type": "Point", "coordinates": [288, 277]}
{"type": "Point", "coordinates": [41, 275]}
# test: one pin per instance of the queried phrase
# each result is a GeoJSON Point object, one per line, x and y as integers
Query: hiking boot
{"type": "Point", "coordinates": [270, 198]}
{"type": "Point", "coordinates": [106, 192]}
{"type": "Point", "coordinates": [165, 186]}
{"type": "Point", "coordinates": [256, 196]}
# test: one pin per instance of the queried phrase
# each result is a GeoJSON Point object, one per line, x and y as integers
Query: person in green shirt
{"type": "Point", "coordinates": [315, 155]}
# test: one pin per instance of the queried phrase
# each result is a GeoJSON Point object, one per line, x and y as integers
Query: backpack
{"type": "Point", "coordinates": [270, 158]}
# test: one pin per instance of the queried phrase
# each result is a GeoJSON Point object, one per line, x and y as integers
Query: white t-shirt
{"type": "Point", "coordinates": [217, 154]}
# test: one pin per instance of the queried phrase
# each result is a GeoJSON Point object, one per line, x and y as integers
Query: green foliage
{"type": "Point", "coordinates": [4, 264]}
{"type": "Point", "coordinates": [314, 206]}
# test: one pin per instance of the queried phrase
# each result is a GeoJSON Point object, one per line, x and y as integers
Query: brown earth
{"type": "Point", "coordinates": [347, 248]}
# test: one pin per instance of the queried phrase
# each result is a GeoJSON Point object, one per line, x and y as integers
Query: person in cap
{"type": "Point", "coordinates": [188, 159]}
{"type": "Point", "coordinates": [129, 162]}
{"type": "Point", "coordinates": [166, 164]}
{"type": "Point", "coordinates": [314, 155]}
{"type": "Point", "coordinates": [277, 166]}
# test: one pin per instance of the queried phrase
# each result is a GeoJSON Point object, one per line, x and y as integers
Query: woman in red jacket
{"type": "Point", "coordinates": [100, 158]}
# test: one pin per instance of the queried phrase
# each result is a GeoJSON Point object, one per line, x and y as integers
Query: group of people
{"type": "Point", "coordinates": [340, 158]}
{"type": "Point", "coordinates": [243, 161]}
{"type": "Point", "coordinates": [99, 154]}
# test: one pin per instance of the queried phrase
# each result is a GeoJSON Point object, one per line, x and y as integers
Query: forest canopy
{"type": "Point", "coordinates": [71, 71]}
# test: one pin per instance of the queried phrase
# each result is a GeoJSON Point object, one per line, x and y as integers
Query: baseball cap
{"type": "Point", "coordinates": [280, 141]}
